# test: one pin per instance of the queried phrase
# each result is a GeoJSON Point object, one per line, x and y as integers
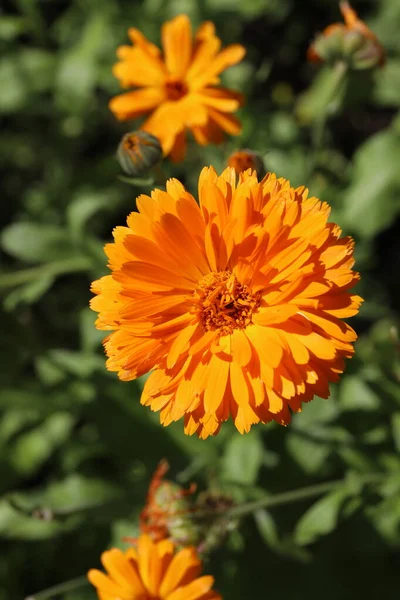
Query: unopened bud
{"type": "Point", "coordinates": [138, 152]}
{"type": "Point", "coordinates": [352, 42]}
{"type": "Point", "coordinates": [247, 159]}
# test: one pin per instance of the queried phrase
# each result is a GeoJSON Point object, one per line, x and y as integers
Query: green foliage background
{"type": "Point", "coordinates": [77, 449]}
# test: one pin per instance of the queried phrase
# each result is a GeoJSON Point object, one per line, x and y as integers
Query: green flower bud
{"type": "Point", "coordinates": [138, 152]}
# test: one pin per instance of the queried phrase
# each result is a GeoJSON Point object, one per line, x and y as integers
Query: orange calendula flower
{"type": "Point", "coordinates": [351, 41]}
{"type": "Point", "coordinates": [235, 305]}
{"type": "Point", "coordinates": [179, 87]}
{"type": "Point", "coordinates": [152, 570]}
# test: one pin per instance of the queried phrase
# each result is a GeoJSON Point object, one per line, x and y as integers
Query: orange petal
{"type": "Point", "coordinates": [227, 122]}
{"type": "Point", "coordinates": [177, 43]}
{"type": "Point", "coordinates": [271, 315]}
{"type": "Point", "coordinates": [217, 377]}
{"type": "Point", "coordinates": [183, 564]}
{"type": "Point", "coordinates": [136, 103]}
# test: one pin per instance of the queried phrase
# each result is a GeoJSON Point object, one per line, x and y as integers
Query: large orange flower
{"type": "Point", "coordinates": [152, 571]}
{"type": "Point", "coordinates": [178, 87]}
{"type": "Point", "coordinates": [235, 304]}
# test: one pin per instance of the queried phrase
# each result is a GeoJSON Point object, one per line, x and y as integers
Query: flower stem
{"type": "Point", "coordinates": [295, 495]}
{"type": "Point", "coordinates": [339, 73]}
{"type": "Point", "coordinates": [61, 588]}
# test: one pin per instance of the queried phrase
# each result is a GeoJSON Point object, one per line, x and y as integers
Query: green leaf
{"type": "Point", "coordinates": [396, 430]}
{"type": "Point", "coordinates": [243, 458]}
{"type": "Point", "coordinates": [77, 72]}
{"type": "Point", "coordinates": [11, 27]}
{"type": "Point", "coordinates": [387, 87]}
{"type": "Point", "coordinates": [35, 243]}
{"type": "Point", "coordinates": [14, 420]}
{"type": "Point", "coordinates": [13, 89]}
{"type": "Point", "coordinates": [308, 453]}
{"type": "Point", "coordinates": [91, 337]}
{"type": "Point", "coordinates": [77, 363]}
{"type": "Point", "coordinates": [49, 373]}
{"type": "Point", "coordinates": [82, 208]}
{"type": "Point", "coordinates": [32, 449]}
{"type": "Point", "coordinates": [386, 518]}
{"type": "Point", "coordinates": [15, 524]}
{"type": "Point", "coordinates": [29, 293]}
{"type": "Point", "coordinates": [269, 532]}
{"type": "Point", "coordinates": [77, 492]}
{"type": "Point", "coordinates": [373, 200]}
{"type": "Point", "coordinates": [321, 518]}
{"type": "Point", "coordinates": [356, 394]}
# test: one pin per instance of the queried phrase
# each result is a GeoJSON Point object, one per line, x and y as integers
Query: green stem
{"type": "Point", "coordinates": [59, 267]}
{"type": "Point", "coordinates": [296, 495]}
{"type": "Point", "coordinates": [61, 588]}
{"type": "Point", "coordinates": [339, 73]}
{"type": "Point", "coordinates": [160, 177]}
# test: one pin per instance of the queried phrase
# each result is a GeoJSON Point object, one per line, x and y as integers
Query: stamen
{"type": "Point", "coordinates": [223, 304]}
{"type": "Point", "coordinates": [176, 89]}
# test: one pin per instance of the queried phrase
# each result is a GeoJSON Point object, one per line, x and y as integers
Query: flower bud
{"type": "Point", "coordinates": [138, 152]}
{"type": "Point", "coordinates": [168, 510]}
{"type": "Point", "coordinates": [351, 41]}
{"type": "Point", "coordinates": [247, 159]}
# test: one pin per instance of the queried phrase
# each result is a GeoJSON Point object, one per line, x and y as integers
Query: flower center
{"type": "Point", "coordinates": [224, 304]}
{"type": "Point", "coordinates": [176, 89]}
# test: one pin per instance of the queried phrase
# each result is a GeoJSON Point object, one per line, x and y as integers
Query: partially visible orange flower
{"type": "Point", "coordinates": [352, 40]}
{"type": "Point", "coordinates": [235, 305]}
{"type": "Point", "coordinates": [153, 570]}
{"type": "Point", "coordinates": [179, 87]}
{"type": "Point", "coordinates": [241, 160]}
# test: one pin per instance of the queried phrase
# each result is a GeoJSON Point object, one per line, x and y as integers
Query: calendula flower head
{"type": "Point", "coordinates": [152, 570]}
{"type": "Point", "coordinates": [242, 160]}
{"type": "Point", "coordinates": [138, 152]}
{"type": "Point", "coordinates": [235, 305]}
{"type": "Point", "coordinates": [178, 88]}
{"type": "Point", "coordinates": [351, 41]}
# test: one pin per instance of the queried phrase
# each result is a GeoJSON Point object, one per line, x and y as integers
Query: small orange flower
{"type": "Point", "coordinates": [352, 40]}
{"type": "Point", "coordinates": [236, 304]}
{"type": "Point", "coordinates": [153, 570]}
{"type": "Point", "coordinates": [178, 87]}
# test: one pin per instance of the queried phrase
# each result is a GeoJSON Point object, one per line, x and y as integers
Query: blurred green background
{"type": "Point", "coordinates": [77, 449]}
